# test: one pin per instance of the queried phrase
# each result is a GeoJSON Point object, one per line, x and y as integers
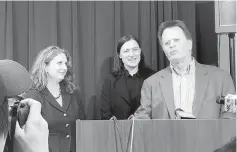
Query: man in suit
{"type": "Point", "coordinates": [33, 136]}
{"type": "Point", "coordinates": [185, 84]}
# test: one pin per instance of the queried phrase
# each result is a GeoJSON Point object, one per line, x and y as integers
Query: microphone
{"type": "Point", "coordinates": [221, 100]}
{"type": "Point", "coordinates": [180, 114]}
{"type": "Point", "coordinates": [229, 102]}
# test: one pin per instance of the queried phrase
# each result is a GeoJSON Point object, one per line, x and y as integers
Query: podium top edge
{"type": "Point", "coordinates": [164, 120]}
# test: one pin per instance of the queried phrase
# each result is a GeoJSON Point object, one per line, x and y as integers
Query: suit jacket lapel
{"type": "Point", "coordinates": [121, 88]}
{"type": "Point", "coordinates": [167, 91]}
{"type": "Point", "coordinates": [49, 97]}
{"type": "Point", "coordinates": [66, 97]}
{"type": "Point", "coordinates": [201, 82]}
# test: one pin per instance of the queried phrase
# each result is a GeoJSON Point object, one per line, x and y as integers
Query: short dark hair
{"type": "Point", "coordinates": [118, 63]}
{"type": "Point", "coordinates": [173, 23]}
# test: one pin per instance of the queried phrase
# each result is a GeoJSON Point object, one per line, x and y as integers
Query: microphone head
{"type": "Point", "coordinates": [221, 100]}
{"type": "Point", "coordinates": [229, 102]}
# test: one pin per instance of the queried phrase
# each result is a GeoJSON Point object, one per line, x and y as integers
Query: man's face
{"type": "Point", "coordinates": [175, 44]}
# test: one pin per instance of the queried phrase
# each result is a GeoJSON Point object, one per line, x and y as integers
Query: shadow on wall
{"type": "Point", "coordinates": [93, 105]}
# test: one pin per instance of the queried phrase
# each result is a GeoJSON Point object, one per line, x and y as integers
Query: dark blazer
{"type": "Point", "coordinates": [115, 96]}
{"type": "Point", "coordinates": [157, 100]}
{"type": "Point", "coordinates": [61, 120]}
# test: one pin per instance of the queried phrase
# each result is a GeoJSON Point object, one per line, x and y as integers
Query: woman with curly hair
{"type": "Point", "coordinates": [52, 78]}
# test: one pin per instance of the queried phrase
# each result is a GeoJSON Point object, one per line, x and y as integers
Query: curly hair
{"type": "Point", "coordinates": [39, 74]}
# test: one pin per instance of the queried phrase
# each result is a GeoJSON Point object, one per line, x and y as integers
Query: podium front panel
{"type": "Point", "coordinates": [154, 135]}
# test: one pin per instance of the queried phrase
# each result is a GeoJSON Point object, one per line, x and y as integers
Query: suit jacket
{"type": "Point", "coordinates": [61, 120]}
{"type": "Point", "coordinates": [157, 99]}
{"type": "Point", "coordinates": [115, 95]}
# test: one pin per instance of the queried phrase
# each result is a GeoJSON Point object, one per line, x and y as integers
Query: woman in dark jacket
{"type": "Point", "coordinates": [120, 96]}
{"type": "Point", "coordinates": [61, 102]}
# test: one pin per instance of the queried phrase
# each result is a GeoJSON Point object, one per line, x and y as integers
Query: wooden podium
{"type": "Point", "coordinates": [154, 135]}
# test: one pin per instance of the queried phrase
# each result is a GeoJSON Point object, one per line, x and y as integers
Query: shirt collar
{"type": "Point", "coordinates": [128, 75]}
{"type": "Point", "coordinates": [188, 69]}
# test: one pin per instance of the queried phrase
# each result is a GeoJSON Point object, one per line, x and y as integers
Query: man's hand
{"type": "Point", "coordinates": [33, 136]}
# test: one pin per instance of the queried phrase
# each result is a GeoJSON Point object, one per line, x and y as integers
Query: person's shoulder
{"type": "Point", "coordinates": [77, 95]}
{"type": "Point", "coordinates": [209, 67]}
{"type": "Point", "coordinates": [76, 91]}
{"type": "Point", "coordinates": [112, 76]}
{"type": "Point", "coordinates": [146, 72]}
{"type": "Point", "coordinates": [32, 93]}
{"type": "Point", "coordinates": [156, 76]}
{"type": "Point", "coordinates": [213, 70]}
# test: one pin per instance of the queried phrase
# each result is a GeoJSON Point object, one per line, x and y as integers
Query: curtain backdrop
{"type": "Point", "coordinates": [90, 31]}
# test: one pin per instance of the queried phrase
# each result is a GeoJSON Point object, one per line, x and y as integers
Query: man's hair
{"type": "Point", "coordinates": [39, 74]}
{"type": "Point", "coordinates": [170, 24]}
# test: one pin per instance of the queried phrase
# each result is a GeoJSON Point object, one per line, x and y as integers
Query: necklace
{"type": "Point", "coordinates": [58, 96]}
